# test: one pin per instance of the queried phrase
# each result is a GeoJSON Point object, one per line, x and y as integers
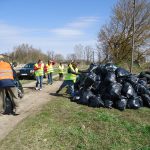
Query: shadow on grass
{"type": "Point", "coordinates": [60, 95]}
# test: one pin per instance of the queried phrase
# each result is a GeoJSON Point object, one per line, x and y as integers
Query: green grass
{"type": "Point", "coordinates": [66, 125]}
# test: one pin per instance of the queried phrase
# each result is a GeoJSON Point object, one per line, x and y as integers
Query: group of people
{"type": "Point", "coordinates": [8, 88]}
{"type": "Point", "coordinates": [40, 70]}
{"type": "Point", "coordinates": [69, 79]}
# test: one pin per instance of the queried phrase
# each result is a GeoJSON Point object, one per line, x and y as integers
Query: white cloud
{"type": "Point", "coordinates": [76, 27]}
{"type": "Point", "coordinates": [67, 32]}
{"type": "Point", "coordinates": [60, 39]}
{"type": "Point", "coordinates": [83, 22]}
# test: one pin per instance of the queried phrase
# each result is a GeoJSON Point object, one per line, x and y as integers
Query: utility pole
{"type": "Point", "coordinates": [133, 23]}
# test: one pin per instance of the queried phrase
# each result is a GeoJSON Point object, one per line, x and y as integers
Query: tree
{"type": "Point", "coordinates": [116, 36]}
{"type": "Point", "coordinates": [71, 57]}
{"type": "Point", "coordinates": [79, 51]}
{"type": "Point", "coordinates": [88, 53]}
{"type": "Point", "coordinates": [59, 57]}
{"type": "Point", "coordinates": [50, 54]}
{"type": "Point", "coordinates": [25, 53]}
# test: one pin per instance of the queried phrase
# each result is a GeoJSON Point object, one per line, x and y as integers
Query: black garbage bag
{"type": "Point", "coordinates": [145, 74]}
{"type": "Point", "coordinates": [121, 80]}
{"type": "Point", "coordinates": [114, 90]}
{"type": "Point", "coordinates": [133, 103]}
{"type": "Point", "coordinates": [132, 79]}
{"type": "Point", "coordinates": [92, 67]}
{"type": "Point", "coordinates": [75, 99]}
{"type": "Point", "coordinates": [96, 85]}
{"type": "Point", "coordinates": [143, 82]}
{"type": "Point", "coordinates": [140, 89]}
{"type": "Point", "coordinates": [102, 88]}
{"type": "Point", "coordinates": [127, 90]}
{"type": "Point", "coordinates": [120, 72]}
{"type": "Point", "coordinates": [146, 100]}
{"type": "Point", "coordinates": [102, 71]}
{"type": "Point", "coordinates": [85, 95]}
{"type": "Point", "coordinates": [121, 104]}
{"type": "Point", "coordinates": [89, 80]}
{"type": "Point", "coordinates": [110, 67]}
{"type": "Point", "coordinates": [110, 78]}
{"type": "Point", "coordinates": [108, 103]}
{"type": "Point", "coordinates": [96, 101]}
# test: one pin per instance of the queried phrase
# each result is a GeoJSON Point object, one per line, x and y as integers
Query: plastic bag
{"type": "Point", "coordinates": [146, 100]}
{"type": "Point", "coordinates": [111, 67]}
{"type": "Point", "coordinates": [127, 90]}
{"type": "Point", "coordinates": [145, 74]}
{"type": "Point", "coordinates": [114, 90]}
{"type": "Point", "coordinates": [92, 67]}
{"type": "Point", "coordinates": [121, 104]}
{"type": "Point", "coordinates": [96, 101]}
{"type": "Point", "coordinates": [110, 78]}
{"type": "Point", "coordinates": [140, 89]}
{"type": "Point", "coordinates": [133, 103]}
{"type": "Point", "coordinates": [85, 96]}
{"type": "Point", "coordinates": [132, 79]}
{"type": "Point", "coordinates": [75, 99]}
{"type": "Point", "coordinates": [143, 82]}
{"type": "Point", "coordinates": [108, 103]}
{"type": "Point", "coordinates": [89, 80]}
{"type": "Point", "coordinates": [120, 72]}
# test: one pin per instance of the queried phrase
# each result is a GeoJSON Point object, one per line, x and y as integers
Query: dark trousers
{"type": "Point", "coordinates": [69, 84]}
{"type": "Point", "coordinates": [60, 76]}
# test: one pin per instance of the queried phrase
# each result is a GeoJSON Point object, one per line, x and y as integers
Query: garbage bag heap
{"type": "Point", "coordinates": [111, 86]}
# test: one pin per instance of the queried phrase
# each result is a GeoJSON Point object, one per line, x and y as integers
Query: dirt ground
{"type": "Point", "coordinates": [30, 103]}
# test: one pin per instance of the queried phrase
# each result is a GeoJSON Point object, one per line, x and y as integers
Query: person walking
{"type": "Point", "coordinates": [61, 71]}
{"type": "Point", "coordinates": [49, 71]}
{"type": "Point", "coordinates": [70, 79]}
{"type": "Point", "coordinates": [8, 90]}
{"type": "Point", "coordinates": [39, 72]}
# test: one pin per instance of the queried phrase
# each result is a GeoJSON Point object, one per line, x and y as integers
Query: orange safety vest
{"type": "Point", "coordinates": [5, 71]}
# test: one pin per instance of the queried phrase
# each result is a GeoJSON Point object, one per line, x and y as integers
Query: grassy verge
{"type": "Point", "coordinates": [66, 125]}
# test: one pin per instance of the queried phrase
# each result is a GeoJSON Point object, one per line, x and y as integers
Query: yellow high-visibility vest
{"type": "Point", "coordinates": [39, 72]}
{"type": "Point", "coordinates": [70, 76]}
{"type": "Point", "coordinates": [61, 69]}
{"type": "Point", "coordinates": [49, 68]}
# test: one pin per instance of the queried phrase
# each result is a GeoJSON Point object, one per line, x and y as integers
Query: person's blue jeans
{"type": "Point", "coordinates": [50, 79]}
{"type": "Point", "coordinates": [70, 85]}
{"type": "Point", "coordinates": [39, 80]}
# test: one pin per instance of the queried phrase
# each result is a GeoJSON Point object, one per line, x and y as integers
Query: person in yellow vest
{"type": "Point", "coordinates": [39, 72]}
{"type": "Point", "coordinates": [61, 71]}
{"type": "Point", "coordinates": [49, 71]}
{"type": "Point", "coordinates": [70, 79]}
{"type": "Point", "coordinates": [7, 87]}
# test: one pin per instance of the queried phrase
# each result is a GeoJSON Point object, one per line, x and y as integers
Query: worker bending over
{"type": "Point", "coordinates": [70, 79]}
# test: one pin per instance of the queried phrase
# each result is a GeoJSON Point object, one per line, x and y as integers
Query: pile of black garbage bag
{"type": "Point", "coordinates": [111, 86]}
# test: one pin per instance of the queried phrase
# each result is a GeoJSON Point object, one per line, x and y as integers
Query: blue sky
{"type": "Point", "coordinates": [56, 25]}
